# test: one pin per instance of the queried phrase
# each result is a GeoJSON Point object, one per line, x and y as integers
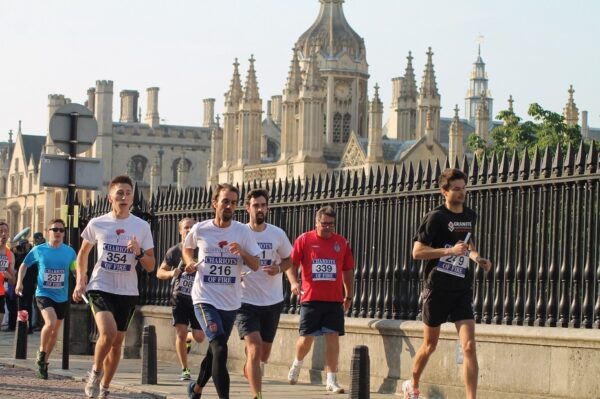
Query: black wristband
{"type": "Point", "coordinates": [141, 255]}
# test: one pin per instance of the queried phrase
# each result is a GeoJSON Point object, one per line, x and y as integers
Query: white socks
{"type": "Point", "coordinates": [298, 363]}
{"type": "Point", "coordinates": [331, 377]}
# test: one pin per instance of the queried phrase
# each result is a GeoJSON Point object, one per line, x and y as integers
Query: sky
{"type": "Point", "coordinates": [533, 50]}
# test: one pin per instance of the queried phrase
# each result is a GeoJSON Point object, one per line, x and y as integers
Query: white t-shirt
{"type": "Point", "coordinates": [259, 288]}
{"type": "Point", "coordinates": [114, 272]}
{"type": "Point", "coordinates": [218, 278]}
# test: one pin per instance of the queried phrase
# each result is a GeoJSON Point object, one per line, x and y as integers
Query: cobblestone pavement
{"type": "Point", "coordinates": [21, 383]}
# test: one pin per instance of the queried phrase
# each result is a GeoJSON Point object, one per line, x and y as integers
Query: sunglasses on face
{"type": "Point", "coordinates": [57, 229]}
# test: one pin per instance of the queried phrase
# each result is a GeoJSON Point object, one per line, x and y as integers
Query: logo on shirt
{"type": "Point", "coordinates": [336, 247]}
{"type": "Point", "coordinates": [459, 226]}
{"type": "Point", "coordinates": [222, 243]}
{"type": "Point", "coordinates": [120, 231]}
{"type": "Point", "coordinates": [450, 226]}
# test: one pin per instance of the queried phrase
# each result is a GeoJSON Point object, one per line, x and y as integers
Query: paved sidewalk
{"type": "Point", "coordinates": [128, 376]}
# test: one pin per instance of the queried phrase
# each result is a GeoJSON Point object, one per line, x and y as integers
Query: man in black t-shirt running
{"type": "Point", "coordinates": [181, 299]}
{"type": "Point", "coordinates": [445, 241]}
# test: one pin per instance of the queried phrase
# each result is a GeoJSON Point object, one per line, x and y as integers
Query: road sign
{"type": "Point", "coordinates": [55, 172]}
{"type": "Point", "coordinates": [60, 127]}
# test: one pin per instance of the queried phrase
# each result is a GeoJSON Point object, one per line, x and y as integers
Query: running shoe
{"type": "Point", "coordinates": [92, 387]}
{"type": "Point", "coordinates": [334, 387]}
{"type": "Point", "coordinates": [191, 393]}
{"type": "Point", "coordinates": [41, 366]}
{"type": "Point", "coordinates": [293, 374]}
{"type": "Point", "coordinates": [409, 392]}
{"type": "Point", "coordinates": [104, 392]}
{"type": "Point", "coordinates": [186, 375]}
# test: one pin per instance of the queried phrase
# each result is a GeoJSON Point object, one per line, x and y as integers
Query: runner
{"type": "Point", "coordinates": [123, 241]}
{"type": "Point", "coordinates": [54, 261]}
{"type": "Point", "coordinates": [7, 264]}
{"type": "Point", "coordinates": [445, 240]}
{"type": "Point", "coordinates": [224, 245]}
{"type": "Point", "coordinates": [327, 267]}
{"type": "Point", "coordinates": [262, 291]}
{"type": "Point", "coordinates": [181, 300]}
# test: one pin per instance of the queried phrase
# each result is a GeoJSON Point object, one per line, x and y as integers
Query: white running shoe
{"type": "Point", "coordinates": [92, 386]}
{"type": "Point", "coordinates": [293, 374]}
{"type": "Point", "coordinates": [334, 387]}
{"type": "Point", "coordinates": [104, 392]}
{"type": "Point", "coordinates": [409, 392]}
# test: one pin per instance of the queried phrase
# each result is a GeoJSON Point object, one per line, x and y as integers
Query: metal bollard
{"type": "Point", "coordinates": [360, 373]}
{"type": "Point", "coordinates": [149, 363]}
{"type": "Point", "coordinates": [21, 335]}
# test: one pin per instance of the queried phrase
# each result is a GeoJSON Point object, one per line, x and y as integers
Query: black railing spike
{"type": "Point", "coordinates": [366, 182]}
{"type": "Point", "coordinates": [410, 177]}
{"type": "Point", "coordinates": [209, 196]}
{"type": "Point", "coordinates": [313, 187]}
{"type": "Point", "coordinates": [394, 179]}
{"type": "Point", "coordinates": [464, 166]}
{"type": "Point", "coordinates": [291, 190]}
{"type": "Point", "coordinates": [437, 172]}
{"type": "Point", "coordinates": [325, 187]}
{"type": "Point", "coordinates": [483, 170]}
{"type": "Point", "coordinates": [580, 159]}
{"type": "Point", "coordinates": [347, 183]}
{"type": "Point", "coordinates": [504, 167]}
{"type": "Point", "coordinates": [318, 186]}
{"type": "Point", "coordinates": [557, 164]}
{"type": "Point", "coordinates": [377, 185]}
{"type": "Point", "coordinates": [493, 169]}
{"type": "Point", "coordinates": [446, 162]}
{"type": "Point", "coordinates": [398, 182]}
{"type": "Point", "coordinates": [339, 188]}
{"type": "Point", "coordinates": [267, 186]}
{"type": "Point", "coordinates": [383, 186]}
{"type": "Point", "coordinates": [332, 184]}
{"type": "Point", "coordinates": [524, 166]}
{"type": "Point", "coordinates": [473, 171]}
{"type": "Point", "coordinates": [592, 158]}
{"type": "Point", "coordinates": [536, 163]}
{"type": "Point", "coordinates": [299, 188]}
{"type": "Point", "coordinates": [419, 176]}
{"type": "Point", "coordinates": [426, 183]}
{"type": "Point", "coordinates": [352, 183]}
{"type": "Point", "coordinates": [569, 164]}
{"type": "Point", "coordinates": [513, 171]}
{"type": "Point", "coordinates": [279, 191]}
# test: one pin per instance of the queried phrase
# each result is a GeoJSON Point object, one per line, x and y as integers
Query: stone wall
{"type": "Point", "coordinates": [525, 362]}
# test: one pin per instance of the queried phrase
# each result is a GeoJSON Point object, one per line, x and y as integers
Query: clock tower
{"type": "Point", "coordinates": [341, 58]}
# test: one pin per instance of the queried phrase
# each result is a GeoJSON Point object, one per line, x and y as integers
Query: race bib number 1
{"type": "Point", "coordinates": [324, 270]}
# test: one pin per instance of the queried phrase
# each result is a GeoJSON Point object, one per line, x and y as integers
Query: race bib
{"type": "Point", "coordinates": [455, 265]}
{"type": "Point", "coordinates": [3, 263]}
{"type": "Point", "coordinates": [54, 278]}
{"type": "Point", "coordinates": [114, 258]}
{"type": "Point", "coordinates": [186, 282]}
{"type": "Point", "coordinates": [219, 270]}
{"type": "Point", "coordinates": [267, 254]}
{"type": "Point", "coordinates": [323, 270]}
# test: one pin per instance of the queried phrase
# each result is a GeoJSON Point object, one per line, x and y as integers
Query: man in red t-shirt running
{"type": "Point", "coordinates": [327, 268]}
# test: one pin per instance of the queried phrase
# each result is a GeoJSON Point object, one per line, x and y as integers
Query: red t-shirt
{"type": "Point", "coordinates": [322, 262]}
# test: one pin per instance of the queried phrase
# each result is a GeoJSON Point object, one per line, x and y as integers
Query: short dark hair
{"type": "Point", "coordinates": [256, 193]}
{"type": "Point", "coordinates": [57, 220]}
{"type": "Point", "coordinates": [450, 174]}
{"type": "Point", "coordinates": [325, 210]}
{"type": "Point", "coordinates": [121, 179]}
{"type": "Point", "coordinates": [3, 224]}
{"type": "Point", "coordinates": [225, 186]}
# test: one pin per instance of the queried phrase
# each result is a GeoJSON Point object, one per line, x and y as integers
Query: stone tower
{"type": "Point", "coordinates": [311, 98]}
{"type": "Point", "coordinates": [55, 101]}
{"type": "Point", "coordinates": [407, 103]}
{"type": "Point", "coordinates": [152, 117]}
{"type": "Point", "coordinates": [103, 115]}
{"type": "Point", "coordinates": [374, 146]}
{"type": "Point", "coordinates": [341, 57]}
{"type": "Point", "coordinates": [570, 111]}
{"type": "Point", "coordinates": [289, 134]}
{"type": "Point", "coordinates": [232, 103]}
{"type": "Point", "coordinates": [455, 138]}
{"type": "Point", "coordinates": [429, 100]}
{"type": "Point", "coordinates": [478, 87]}
{"type": "Point", "coordinates": [482, 119]}
{"type": "Point", "coordinates": [249, 125]}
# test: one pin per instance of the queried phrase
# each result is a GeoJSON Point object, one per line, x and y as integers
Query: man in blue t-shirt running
{"type": "Point", "coordinates": [54, 260]}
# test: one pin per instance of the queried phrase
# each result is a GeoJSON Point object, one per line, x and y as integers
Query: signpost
{"type": "Point", "coordinates": [73, 129]}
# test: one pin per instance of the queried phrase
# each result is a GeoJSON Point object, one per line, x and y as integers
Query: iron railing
{"type": "Point", "coordinates": [538, 223]}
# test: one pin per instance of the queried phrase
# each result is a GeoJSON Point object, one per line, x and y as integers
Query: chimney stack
{"type": "Point", "coordinates": [209, 112]}
{"type": "Point", "coordinates": [129, 104]}
{"type": "Point", "coordinates": [152, 117]}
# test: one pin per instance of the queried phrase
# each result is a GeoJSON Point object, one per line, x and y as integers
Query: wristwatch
{"type": "Point", "coordinates": [141, 255]}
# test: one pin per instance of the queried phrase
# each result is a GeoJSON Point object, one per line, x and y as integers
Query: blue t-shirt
{"type": "Point", "coordinates": [54, 265]}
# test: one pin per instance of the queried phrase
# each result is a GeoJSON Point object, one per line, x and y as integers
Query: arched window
{"type": "Point", "coordinates": [136, 167]}
{"type": "Point", "coordinates": [337, 128]}
{"type": "Point", "coordinates": [346, 128]}
{"type": "Point", "coordinates": [175, 164]}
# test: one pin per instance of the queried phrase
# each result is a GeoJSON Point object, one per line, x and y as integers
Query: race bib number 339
{"type": "Point", "coordinates": [323, 270]}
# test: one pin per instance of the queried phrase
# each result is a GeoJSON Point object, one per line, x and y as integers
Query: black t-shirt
{"type": "Point", "coordinates": [182, 285]}
{"type": "Point", "coordinates": [443, 228]}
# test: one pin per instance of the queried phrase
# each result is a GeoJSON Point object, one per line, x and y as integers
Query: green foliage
{"type": "Point", "coordinates": [548, 129]}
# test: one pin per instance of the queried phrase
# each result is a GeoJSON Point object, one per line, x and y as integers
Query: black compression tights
{"type": "Point", "coordinates": [215, 365]}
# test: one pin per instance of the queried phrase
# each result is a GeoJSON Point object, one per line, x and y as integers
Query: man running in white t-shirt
{"type": "Point", "coordinates": [123, 240]}
{"type": "Point", "coordinates": [262, 290]}
{"type": "Point", "coordinates": [224, 246]}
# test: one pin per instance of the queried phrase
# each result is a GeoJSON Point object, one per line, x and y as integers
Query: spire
{"type": "Point", "coordinates": [374, 146]}
{"type": "Point", "coordinates": [251, 89]}
{"type": "Point", "coordinates": [408, 89]}
{"type": "Point", "coordinates": [428, 85]}
{"type": "Point", "coordinates": [235, 88]}
{"type": "Point", "coordinates": [313, 77]}
{"type": "Point", "coordinates": [478, 83]}
{"type": "Point", "coordinates": [294, 79]}
{"type": "Point", "coordinates": [376, 105]}
{"type": "Point", "coordinates": [510, 104]}
{"type": "Point", "coordinates": [571, 112]}
{"type": "Point", "coordinates": [482, 118]}
{"type": "Point", "coordinates": [455, 136]}
{"type": "Point", "coordinates": [10, 134]}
